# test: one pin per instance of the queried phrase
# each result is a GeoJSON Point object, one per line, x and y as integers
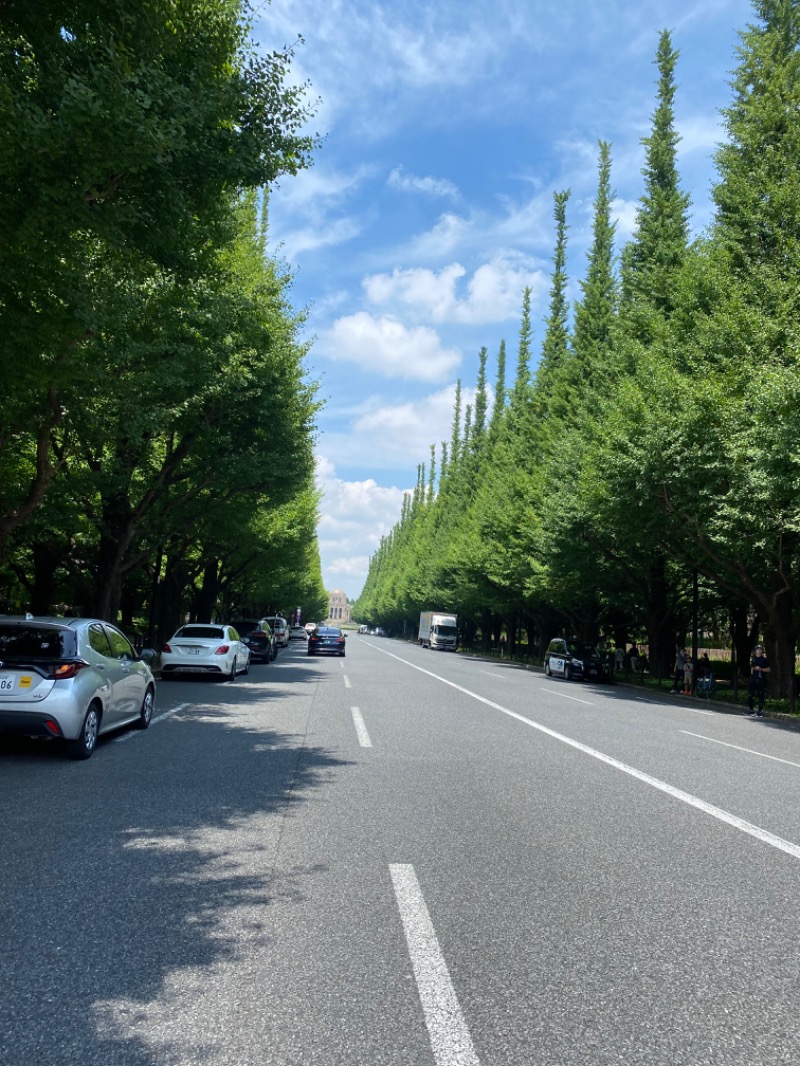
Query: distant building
{"type": "Point", "coordinates": [338, 608]}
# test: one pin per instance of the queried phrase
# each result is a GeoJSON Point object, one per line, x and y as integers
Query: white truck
{"type": "Point", "coordinates": [438, 631]}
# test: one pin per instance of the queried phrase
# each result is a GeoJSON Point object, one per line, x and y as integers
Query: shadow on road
{"type": "Point", "coordinates": [130, 882]}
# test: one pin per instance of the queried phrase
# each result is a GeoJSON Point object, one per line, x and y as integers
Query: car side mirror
{"type": "Point", "coordinates": [148, 655]}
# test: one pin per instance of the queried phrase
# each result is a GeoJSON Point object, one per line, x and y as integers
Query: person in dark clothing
{"type": "Point", "coordinates": [757, 685]}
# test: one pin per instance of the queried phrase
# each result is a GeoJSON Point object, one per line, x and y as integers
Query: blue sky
{"type": "Point", "coordinates": [446, 128]}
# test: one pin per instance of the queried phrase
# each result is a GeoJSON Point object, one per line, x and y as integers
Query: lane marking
{"type": "Point", "coordinates": [738, 747]}
{"type": "Point", "coordinates": [558, 692]}
{"type": "Point", "coordinates": [361, 729]}
{"type": "Point", "coordinates": [490, 674]}
{"type": "Point", "coordinates": [680, 706]}
{"type": "Point", "coordinates": [449, 1036]}
{"type": "Point", "coordinates": [347, 682]}
{"type": "Point", "coordinates": [158, 718]}
{"type": "Point", "coordinates": [685, 797]}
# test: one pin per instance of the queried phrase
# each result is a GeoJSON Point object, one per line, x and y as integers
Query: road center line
{"type": "Point", "coordinates": [737, 747]}
{"type": "Point", "coordinates": [566, 695]}
{"type": "Point", "coordinates": [158, 718]}
{"type": "Point", "coordinates": [347, 682]}
{"type": "Point", "coordinates": [361, 729]}
{"type": "Point", "coordinates": [450, 1040]}
{"type": "Point", "coordinates": [685, 797]}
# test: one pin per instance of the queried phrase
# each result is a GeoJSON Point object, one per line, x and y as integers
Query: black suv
{"type": "Point", "coordinates": [258, 637]}
{"type": "Point", "coordinates": [575, 659]}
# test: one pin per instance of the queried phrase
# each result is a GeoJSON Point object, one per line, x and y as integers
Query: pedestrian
{"type": "Point", "coordinates": [757, 685]}
{"type": "Point", "coordinates": [619, 658]}
{"type": "Point", "coordinates": [680, 662]}
{"type": "Point", "coordinates": [634, 658]}
{"type": "Point", "coordinates": [688, 673]}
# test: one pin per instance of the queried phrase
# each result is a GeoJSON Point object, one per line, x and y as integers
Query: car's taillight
{"type": "Point", "coordinates": [223, 649]}
{"type": "Point", "coordinates": [64, 671]}
{"type": "Point", "coordinates": [167, 648]}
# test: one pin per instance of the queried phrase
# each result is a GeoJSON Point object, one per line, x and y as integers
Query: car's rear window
{"type": "Point", "coordinates": [36, 642]}
{"type": "Point", "coordinates": [202, 632]}
{"type": "Point", "coordinates": [328, 631]}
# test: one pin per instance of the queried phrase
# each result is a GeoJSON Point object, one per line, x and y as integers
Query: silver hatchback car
{"type": "Point", "coordinates": [72, 679]}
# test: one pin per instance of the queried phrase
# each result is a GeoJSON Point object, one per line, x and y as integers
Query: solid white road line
{"type": "Point", "coordinates": [361, 729]}
{"type": "Point", "coordinates": [450, 1040]}
{"type": "Point", "coordinates": [158, 718]}
{"type": "Point", "coordinates": [737, 747]}
{"type": "Point", "coordinates": [566, 695]}
{"type": "Point", "coordinates": [685, 797]}
{"type": "Point", "coordinates": [347, 682]}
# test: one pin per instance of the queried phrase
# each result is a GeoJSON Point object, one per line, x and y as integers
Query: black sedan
{"type": "Point", "coordinates": [327, 640]}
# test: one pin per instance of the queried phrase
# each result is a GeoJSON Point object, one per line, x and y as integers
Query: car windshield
{"type": "Point", "coordinates": [446, 631]}
{"type": "Point", "coordinates": [202, 632]}
{"type": "Point", "coordinates": [245, 626]}
{"type": "Point", "coordinates": [36, 642]}
{"type": "Point", "coordinates": [584, 651]}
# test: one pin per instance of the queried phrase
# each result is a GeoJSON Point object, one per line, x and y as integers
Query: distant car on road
{"type": "Point", "coordinates": [72, 679]}
{"type": "Point", "coordinates": [280, 627]}
{"type": "Point", "coordinates": [329, 640]}
{"type": "Point", "coordinates": [297, 633]}
{"type": "Point", "coordinates": [200, 648]}
{"type": "Point", "coordinates": [257, 634]}
{"type": "Point", "coordinates": [575, 660]}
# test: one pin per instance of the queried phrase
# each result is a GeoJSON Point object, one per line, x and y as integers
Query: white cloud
{"type": "Point", "coordinates": [493, 293]}
{"type": "Point", "coordinates": [354, 517]}
{"type": "Point", "coordinates": [385, 346]}
{"type": "Point", "coordinates": [398, 179]}
{"type": "Point", "coordinates": [623, 212]}
{"type": "Point", "coordinates": [404, 432]}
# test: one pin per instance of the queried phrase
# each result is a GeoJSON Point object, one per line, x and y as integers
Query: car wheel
{"type": "Point", "coordinates": [86, 741]}
{"type": "Point", "coordinates": [146, 710]}
{"type": "Point", "coordinates": [547, 671]}
{"type": "Point", "coordinates": [342, 653]}
{"type": "Point", "coordinates": [247, 668]}
{"type": "Point", "coordinates": [567, 672]}
{"type": "Point", "coordinates": [232, 674]}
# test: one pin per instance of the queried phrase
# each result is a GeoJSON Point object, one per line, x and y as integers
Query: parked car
{"type": "Point", "coordinates": [201, 648]}
{"type": "Point", "coordinates": [257, 634]}
{"type": "Point", "coordinates": [326, 639]}
{"type": "Point", "coordinates": [280, 627]}
{"type": "Point", "coordinates": [575, 660]}
{"type": "Point", "coordinates": [297, 633]}
{"type": "Point", "coordinates": [72, 679]}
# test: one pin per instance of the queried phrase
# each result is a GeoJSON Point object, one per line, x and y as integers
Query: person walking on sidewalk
{"type": "Point", "coordinates": [757, 685]}
{"type": "Point", "coordinates": [680, 663]}
{"type": "Point", "coordinates": [688, 673]}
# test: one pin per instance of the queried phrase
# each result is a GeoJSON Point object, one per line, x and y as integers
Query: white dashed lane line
{"type": "Point", "coordinates": [450, 1040]}
{"type": "Point", "coordinates": [566, 695]}
{"type": "Point", "coordinates": [361, 729]}
{"type": "Point", "coordinates": [158, 718]}
{"type": "Point", "coordinates": [737, 747]}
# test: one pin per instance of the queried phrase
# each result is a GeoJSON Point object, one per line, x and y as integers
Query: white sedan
{"type": "Point", "coordinates": [198, 648]}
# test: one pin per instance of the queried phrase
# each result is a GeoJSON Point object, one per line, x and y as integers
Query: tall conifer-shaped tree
{"type": "Point", "coordinates": [653, 259]}
{"type": "Point", "coordinates": [594, 315]}
{"type": "Point", "coordinates": [499, 405]}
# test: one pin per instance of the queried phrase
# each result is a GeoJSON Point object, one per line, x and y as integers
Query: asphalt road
{"type": "Point", "coordinates": [404, 858]}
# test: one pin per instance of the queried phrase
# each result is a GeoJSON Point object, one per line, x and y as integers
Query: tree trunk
{"type": "Point", "coordinates": [661, 621]}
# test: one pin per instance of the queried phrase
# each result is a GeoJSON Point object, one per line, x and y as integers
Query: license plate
{"type": "Point", "coordinates": [7, 682]}
{"type": "Point", "coordinates": [193, 651]}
